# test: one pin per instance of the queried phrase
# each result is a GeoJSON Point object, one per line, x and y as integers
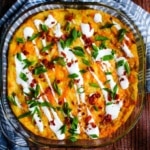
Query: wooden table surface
{"type": "Point", "coordinates": [139, 137]}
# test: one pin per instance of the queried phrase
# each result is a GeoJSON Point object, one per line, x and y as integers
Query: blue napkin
{"type": "Point", "coordinates": [140, 17]}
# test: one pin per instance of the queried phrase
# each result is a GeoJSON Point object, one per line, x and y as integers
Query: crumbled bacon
{"type": "Point", "coordinates": [88, 41]}
{"type": "Point", "coordinates": [69, 17]}
{"type": "Point", "coordinates": [67, 120]}
{"type": "Point", "coordinates": [25, 52]}
{"type": "Point", "coordinates": [92, 98]}
{"type": "Point", "coordinates": [33, 83]}
{"type": "Point", "coordinates": [47, 90]}
{"type": "Point", "coordinates": [122, 79]}
{"type": "Point", "coordinates": [52, 123]}
{"type": "Point", "coordinates": [93, 125]}
{"type": "Point", "coordinates": [63, 54]}
{"type": "Point", "coordinates": [87, 119]}
{"type": "Point", "coordinates": [107, 118]}
{"type": "Point", "coordinates": [50, 65]}
{"type": "Point", "coordinates": [90, 69]}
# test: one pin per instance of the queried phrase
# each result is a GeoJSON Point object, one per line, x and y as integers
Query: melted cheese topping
{"type": "Point", "coordinates": [72, 74]}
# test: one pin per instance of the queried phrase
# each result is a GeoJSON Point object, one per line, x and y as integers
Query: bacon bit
{"type": "Point", "coordinates": [109, 97]}
{"type": "Point", "coordinates": [76, 61]}
{"type": "Point", "coordinates": [69, 64]}
{"type": "Point", "coordinates": [90, 69]}
{"type": "Point", "coordinates": [55, 40]}
{"type": "Point", "coordinates": [41, 76]}
{"type": "Point", "coordinates": [122, 79]}
{"type": "Point", "coordinates": [34, 122]}
{"type": "Point", "coordinates": [63, 54]}
{"type": "Point", "coordinates": [108, 118]}
{"type": "Point", "coordinates": [64, 37]}
{"type": "Point", "coordinates": [116, 97]}
{"type": "Point", "coordinates": [76, 81]}
{"type": "Point", "coordinates": [50, 65]}
{"type": "Point", "coordinates": [33, 83]}
{"type": "Point", "coordinates": [124, 73]}
{"type": "Point", "coordinates": [93, 125]}
{"type": "Point", "coordinates": [47, 90]}
{"type": "Point", "coordinates": [97, 95]}
{"type": "Point", "coordinates": [42, 35]}
{"type": "Point", "coordinates": [61, 101]}
{"type": "Point", "coordinates": [25, 52]}
{"type": "Point", "coordinates": [69, 17]}
{"type": "Point", "coordinates": [93, 97]}
{"type": "Point", "coordinates": [48, 38]}
{"type": "Point", "coordinates": [52, 123]}
{"type": "Point", "coordinates": [58, 81]}
{"type": "Point", "coordinates": [67, 120]}
{"type": "Point", "coordinates": [87, 119]}
{"type": "Point", "coordinates": [87, 41]}
{"type": "Point", "coordinates": [45, 62]}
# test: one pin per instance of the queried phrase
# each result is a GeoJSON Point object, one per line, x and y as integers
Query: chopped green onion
{"type": "Point", "coordinates": [26, 114]}
{"type": "Point", "coordinates": [66, 109]}
{"type": "Point", "coordinates": [56, 88]}
{"type": "Point", "coordinates": [93, 136]}
{"type": "Point", "coordinates": [12, 99]}
{"type": "Point", "coordinates": [39, 70]}
{"type": "Point", "coordinates": [107, 25]}
{"type": "Point", "coordinates": [20, 40]}
{"type": "Point", "coordinates": [19, 56]}
{"type": "Point", "coordinates": [127, 68]}
{"type": "Point", "coordinates": [121, 34]}
{"type": "Point", "coordinates": [47, 47]}
{"type": "Point", "coordinates": [34, 36]}
{"type": "Point", "coordinates": [94, 51]}
{"type": "Point", "coordinates": [27, 63]}
{"type": "Point", "coordinates": [100, 38]}
{"type": "Point", "coordinates": [23, 76]}
{"type": "Point", "coordinates": [63, 129]}
{"type": "Point", "coordinates": [107, 57]}
{"type": "Point", "coordinates": [94, 85]}
{"type": "Point", "coordinates": [73, 75]}
{"type": "Point", "coordinates": [78, 51]}
{"type": "Point", "coordinates": [59, 60]}
{"type": "Point", "coordinates": [86, 62]}
{"type": "Point", "coordinates": [44, 27]}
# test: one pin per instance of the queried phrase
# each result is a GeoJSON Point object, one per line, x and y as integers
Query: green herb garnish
{"type": "Point", "coordinates": [107, 25]}
{"type": "Point", "coordinates": [19, 40]}
{"type": "Point", "coordinates": [100, 38]}
{"type": "Point", "coordinates": [19, 56]}
{"type": "Point", "coordinates": [93, 136]}
{"type": "Point", "coordinates": [23, 76]}
{"type": "Point", "coordinates": [39, 70]}
{"type": "Point", "coordinates": [73, 75]}
{"type": "Point", "coordinates": [63, 129]}
{"type": "Point", "coordinates": [47, 47]}
{"type": "Point", "coordinates": [94, 85]}
{"type": "Point", "coordinates": [107, 57]}
{"type": "Point", "coordinates": [66, 109]}
{"type": "Point", "coordinates": [78, 51]}
{"type": "Point", "coordinates": [86, 62]}
{"type": "Point", "coordinates": [44, 27]}
{"type": "Point", "coordinates": [26, 114]}
{"type": "Point", "coordinates": [121, 34]}
{"type": "Point", "coordinates": [56, 88]}
{"type": "Point", "coordinates": [59, 60]}
{"type": "Point", "coordinates": [34, 36]}
{"type": "Point", "coordinates": [12, 99]}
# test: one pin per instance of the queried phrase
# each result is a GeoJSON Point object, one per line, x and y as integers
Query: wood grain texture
{"type": "Point", "coordinates": [139, 137]}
